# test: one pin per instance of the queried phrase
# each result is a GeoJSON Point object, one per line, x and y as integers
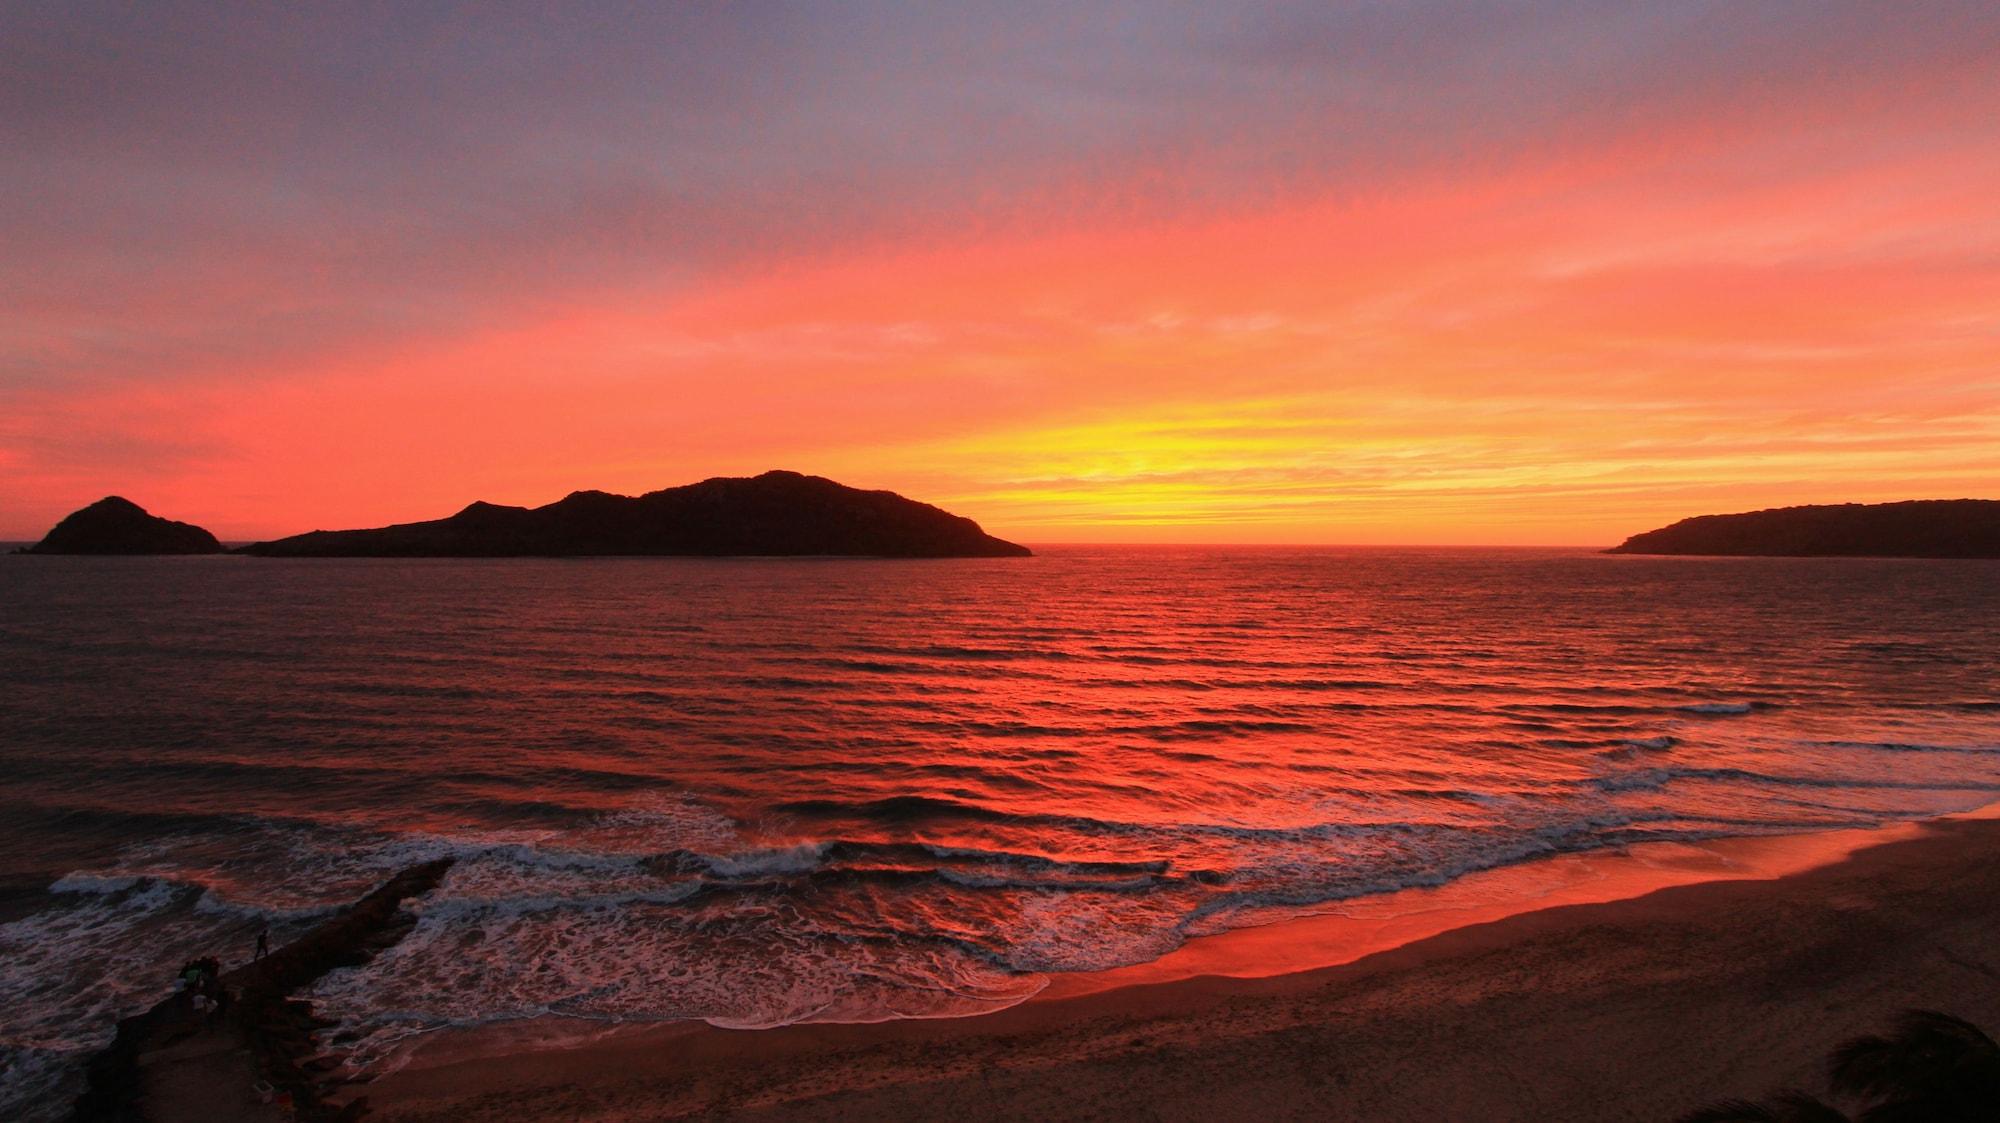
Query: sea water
{"type": "Point", "coordinates": [759, 792]}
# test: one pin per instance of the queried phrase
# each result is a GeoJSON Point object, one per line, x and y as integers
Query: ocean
{"type": "Point", "coordinates": [760, 792]}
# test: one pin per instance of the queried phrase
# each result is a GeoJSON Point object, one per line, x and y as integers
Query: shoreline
{"type": "Point", "coordinates": [1218, 995]}
{"type": "Point", "coordinates": [1345, 931]}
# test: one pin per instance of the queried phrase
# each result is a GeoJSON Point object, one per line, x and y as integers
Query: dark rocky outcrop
{"type": "Point", "coordinates": [1918, 528]}
{"type": "Point", "coordinates": [278, 1034]}
{"type": "Point", "coordinates": [777, 514]}
{"type": "Point", "coordinates": [114, 525]}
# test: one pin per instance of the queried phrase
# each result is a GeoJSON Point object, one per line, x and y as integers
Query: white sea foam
{"type": "Point", "coordinates": [94, 883]}
{"type": "Point", "coordinates": [777, 860]}
{"type": "Point", "coordinates": [745, 967]}
{"type": "Point", "coordinates": [69, 972]}
{"type": "Point", "coordinates": [853, 795]}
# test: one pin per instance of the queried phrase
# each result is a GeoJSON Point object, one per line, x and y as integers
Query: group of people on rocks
{"type": "Point", "coordinates": [201, 981]}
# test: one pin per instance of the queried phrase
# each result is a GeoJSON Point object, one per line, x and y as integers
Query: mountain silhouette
{"type": "Point", "coordinates": [1916, 528]}
{"type": "Point", "coordinates": [115, 525]}
{"type": "Point", "coordinates": [775, 514]}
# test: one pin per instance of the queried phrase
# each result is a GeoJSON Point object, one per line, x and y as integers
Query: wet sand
{"type": "Point", "coordinates": [1580, 1009]}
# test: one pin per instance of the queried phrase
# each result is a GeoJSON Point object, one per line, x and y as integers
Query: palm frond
{"type": "Point", "coordinates": [1928, 1054]}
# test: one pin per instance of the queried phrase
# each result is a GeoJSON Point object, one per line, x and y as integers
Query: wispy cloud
{"type": "Point", "coordinates": [1545, 271]}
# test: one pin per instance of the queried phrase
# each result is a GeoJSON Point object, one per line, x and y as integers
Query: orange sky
{"type": "Point", "coordinates": [1719, 297]}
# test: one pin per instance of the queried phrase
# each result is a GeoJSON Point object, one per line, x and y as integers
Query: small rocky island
{"type": "Point", "coordinates": [1918, 528]}
{"type": "Point", "coordinates": [115, 525]}
{"type": "Point", "coordinates": [777, 514]}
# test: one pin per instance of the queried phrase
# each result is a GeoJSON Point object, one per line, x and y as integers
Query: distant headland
{"type": "Point", "coordinates": [115, 525]}
{"type": "Point", "coordinates": [777, 514]}
{"type": "Point", "coordinates": [1917, 528]}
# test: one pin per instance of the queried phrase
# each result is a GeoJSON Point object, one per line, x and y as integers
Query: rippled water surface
{"type": "Point", "coordinates": [760, 792]}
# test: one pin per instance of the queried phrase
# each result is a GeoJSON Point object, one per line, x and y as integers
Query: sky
{"type": "Point", "coordinates": [1525, 272]}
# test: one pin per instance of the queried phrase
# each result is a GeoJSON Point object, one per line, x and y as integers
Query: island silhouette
{"type": "Point", "coordinates": [777, 514]}
{"type": "Point", "coordinates": [788, 514]}
{"type": "Point", "coordinates": [116, 525]}
{"type": "Point", "coordinates": [1914, 528]}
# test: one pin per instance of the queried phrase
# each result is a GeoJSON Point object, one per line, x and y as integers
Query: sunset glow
{"type": "Point", "coordinates": [1350, 560]}
{"type": "Point", "coordinates": [1308, 279]}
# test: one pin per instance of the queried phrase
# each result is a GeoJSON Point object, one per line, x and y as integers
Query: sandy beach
{"type": "Point", "coordinates": [1638, 1008]}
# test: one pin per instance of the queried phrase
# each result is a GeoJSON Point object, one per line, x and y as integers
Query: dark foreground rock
{"type": "Point", "coordinates": [1918, 528]}
{"type": "Point", "coordinates": [172, 1063]}
{"type": "Point", "coordinates": [777, 514]}
{"type": "Point", "coordinates": [114, 525]}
